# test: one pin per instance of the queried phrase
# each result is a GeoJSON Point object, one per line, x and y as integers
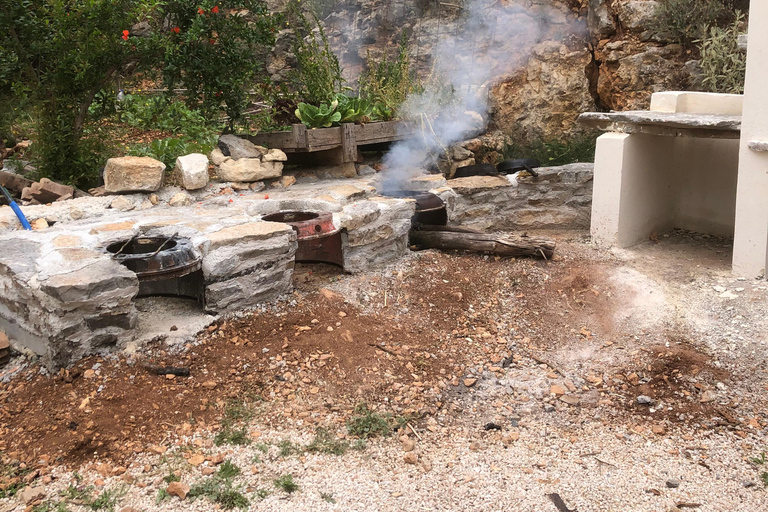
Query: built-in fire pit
{"type": "Point", "coordinates": [163, 265]}
{"type": "Point", "coordinates": [318, 239]}
{"type": "Point", "coordinates": [430, 209]}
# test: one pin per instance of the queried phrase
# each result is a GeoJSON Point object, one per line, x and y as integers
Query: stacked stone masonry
{"type": "Point", "coordinates": [64, 297]}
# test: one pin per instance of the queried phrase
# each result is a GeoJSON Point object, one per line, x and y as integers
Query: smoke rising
{"type": "Point", "coordinates": [489, 40]}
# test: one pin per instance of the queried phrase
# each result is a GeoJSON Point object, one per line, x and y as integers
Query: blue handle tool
{"type": "Point", "coordinates": [16, 210]}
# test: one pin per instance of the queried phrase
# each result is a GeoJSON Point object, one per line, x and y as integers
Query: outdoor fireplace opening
{"type": "Point", "coordinates": [165, 266]}
{"type": "Point", "coordinates": [430, 209]}
{"type": "Point", "coordinates": [319, 241]}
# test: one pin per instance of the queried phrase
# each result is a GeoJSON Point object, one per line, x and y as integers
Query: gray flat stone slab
{"type": "Point", "coordinates": [665, 123]}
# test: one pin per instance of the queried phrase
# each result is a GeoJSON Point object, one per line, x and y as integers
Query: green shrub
{"type": "Point", "coordinates": [60, 55]}
{"type": "Point", "coordinates": [685, 21]}
{"type": "Point", "coordinates": [366, 423]}
{"type": "Point", "coordinates": [326, 442]}
{"type": "Point", "coordinates": [554, 152]}
{"type": "Point", "coordinates": [319, 72]}
{"type": "Point", "coordinates": [387, 83]}
{"type": "Point", "coordinates": [287, 484]}
{"type": "Point", "coordinates": [723, 63]}
{"type": "Point", "coordinates": [221, 491]}
{"type": "Point", "coordinates": [168, 150]}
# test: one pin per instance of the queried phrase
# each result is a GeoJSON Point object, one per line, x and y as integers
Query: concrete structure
{"type": "Point", "coordinates": [693, 162]}
{"type": "Point", "coordinates": [663, 169]}
{"type": "Point", "coordinates": [750, 247]}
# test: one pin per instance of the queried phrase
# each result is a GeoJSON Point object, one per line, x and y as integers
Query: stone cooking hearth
{"type": "Point", "coordinates": [68, 291]}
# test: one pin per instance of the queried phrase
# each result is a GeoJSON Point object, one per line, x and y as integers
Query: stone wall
{"type": "Point", "coordinates": [560, 198]}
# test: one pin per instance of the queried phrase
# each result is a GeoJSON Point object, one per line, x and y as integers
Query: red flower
{"type": "Point", "coordinates": [212, 41]}
{"type": "Point", "coordinates": [125, 35]}
{"type": "Point", "coordinates": [200, 11]}
{"type": "Point", "coordinates": [175, 30]}
{"type": "Point", "coordinates": [215, 9]}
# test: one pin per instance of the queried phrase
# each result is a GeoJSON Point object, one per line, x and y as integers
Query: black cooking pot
{"type": "Point", "coordinates": [517, 165]}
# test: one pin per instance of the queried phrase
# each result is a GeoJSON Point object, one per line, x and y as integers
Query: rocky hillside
{"type": "Point", "coordinates": [549, 60]}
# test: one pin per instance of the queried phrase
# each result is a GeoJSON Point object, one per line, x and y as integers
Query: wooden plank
{"type": "Point", "coordinates": [349, 142]}
{"type": "Point", "coordinates": [323, 137]}
{"type": "Point", "coordinates": [281, 140]}
{"type": "Point", "coordinates": [300, 135]}
{"type": "Point", "coordinates": [300, 139]}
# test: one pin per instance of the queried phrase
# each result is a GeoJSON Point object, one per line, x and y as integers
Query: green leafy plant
{"type": "Point", "coordinates": [162, 495]}
{"type": "Point", "coordinates": [72, 492]}
{"type": "Point", "coordinates": [352, 109]}
{"type": "Point", "coordinates": [326, 442]}
{"type": "Point", "coordinates": [685, 21]}
{"type": "Point", "coordinates": [49, 506]}
{"type": "Point", "coordinates": [287, 484]}
{"type": "Point", "coordinates": [382, 112]}
{"type": "Point", "coordinates": [288, 448]}
{"type": "Point", "coordinates": [319, 72]}
{"type": "Point", "coordinates": [13, 473]}
{"type": "Point", "coordinates": [723, 63]}
{"type": "Point", "coordinates": [386, 83]}
{"type": "Point", "coordinates": [220, 490]}
{"type": "Point", "coordinates": [318, 117]}
{"type": "Point", "coordinates": [107, 500]}
{"type": "Point", "coordinates": [367, 423]}
{"type": "Point", "coordinates": [761, 461]}
{"type": "Point", "coordinates": [228, 470]}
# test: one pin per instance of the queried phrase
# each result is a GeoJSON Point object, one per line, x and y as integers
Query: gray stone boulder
{"type": "Point", "coordinates": [249, 169]}
{"type": "Point", "coordinates": [133, 174]}
{"type": "Point", "coordinates": [192, 171]}
{"type": "Point", "coordinates": [237, 147]}
{"type": "Point", "coordinates": [600, 19]}
{"type": "Point", "coordinates": [636, 15]}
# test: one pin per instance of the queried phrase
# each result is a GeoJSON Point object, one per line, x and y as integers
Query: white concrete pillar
{"type": "Point", "coordinates": [750, 248]}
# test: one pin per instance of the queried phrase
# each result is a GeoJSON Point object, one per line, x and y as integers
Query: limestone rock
{"type": "Point", "coordinates": [284, 182]}
{"type": "Point", "coordinates": [257, 186]}
{"type": "Point", "coordinates": [192, 171]}
{"type": "Point", "coordinates": [600, 19]}
{"type": "Point", "coordinates": [237, 147]}
{"type": "Point", "coordinates": [133, 174]}
{"type": "Point", "coordinates": [274, 155]}
{"type": "Point", "coordinates": [544, 99]}
{"type": "Point", "coordinates": [31, 494]}
{"type": "Point", "coordinates": [636, 15]}
{"type": "Point", "coordinates": [180, 199]}
{"type": "Point", "coordinates": [122, 204]}
{"type": "Point", "coordinates": [177, 489]}
{"type": "Point", "coordinates": [39, 224]}
{"type": "Point", "coordinates": [630, 73]}
{"type": "Point", "coordinates": [249, 169]}
{"type": "Point", "coordinates": [217, 157]}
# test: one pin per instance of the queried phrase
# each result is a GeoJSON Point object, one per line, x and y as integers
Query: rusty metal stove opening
{"type": "Point", "coordinates": [318, 239]}
{"type": "Point", "coordinates": [168, 266]}
{"type": "Point", "coordinates": [430, 209]}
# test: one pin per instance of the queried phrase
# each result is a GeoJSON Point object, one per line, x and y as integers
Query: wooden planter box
{"type": "Point", "coordinates": [338, 144]}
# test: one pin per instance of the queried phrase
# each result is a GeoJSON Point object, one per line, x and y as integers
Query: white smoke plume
{"type": "Point", "coordinates": [491, 39]}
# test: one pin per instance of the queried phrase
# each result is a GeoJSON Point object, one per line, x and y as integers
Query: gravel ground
{"type": "Point", "coordinates": [665, 319]}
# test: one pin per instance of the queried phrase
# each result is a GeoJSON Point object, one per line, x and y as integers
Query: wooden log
{"type": "Point", "coordinates": [501, 245]}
